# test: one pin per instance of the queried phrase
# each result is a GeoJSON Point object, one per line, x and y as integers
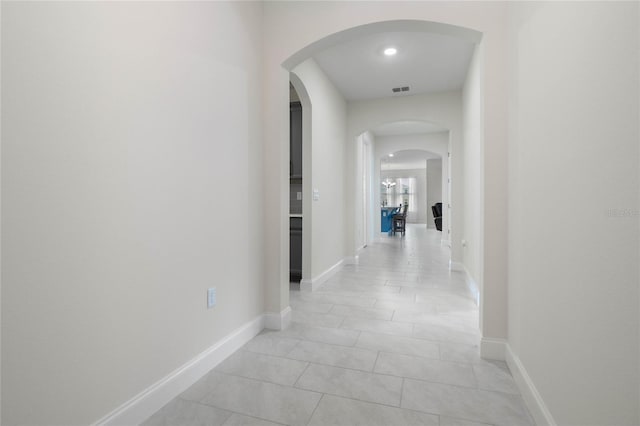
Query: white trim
{"type": "Point", "coordinates": [156, 396]}
{"type": "Point", "coordinates": [456, 266]}
{"type": "Point", "coordinates": [535, 403]}
{"type": "Point", "coordinates": [492, 348]}
{"type": "Point", "coordinates": [445, 243]}
{"type": "Point", "coordinates": [314, 283]}
{"type": "Point", "coordinates": [306, 285]}
{"type": "Point", "coordinates": [275, 321]}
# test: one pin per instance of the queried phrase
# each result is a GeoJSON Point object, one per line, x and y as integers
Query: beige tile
{"type": "Point", "coordinates": [464, 403]}
{"type": "Point", "coordinates": [372, 313]}
{"type": "Point", "coordinates": [378, 326]}
{"type": "Point", "coordinates": [444, 333]}
{"type": "Point", "coordinates": [432, 370]}
{"type": "Point", "coordinates": [398, 344]}
{"type": "Point", "coordinates": [338, 356]}
{"type": "Point", "coordinates": [276, 403]}
{"type": "Point", "coordinates": [271, 343]}
{"type": "Point", "coordinates": [450, 421]}
{"type": "Point", "coordinates": [495, 376]}
{"type": "Point", "coordinates": [334, 410]}
{"type": "Point", "coordinates": [321, 308]}
{"type": "Point", "coordinates": [262, 367]}
{"type": "Point", "coordinates": [460, 352]}
{"type": "Point", "coordinates": [352, 384]}
{"type": "Point", "coordinates": [314, 318]}
{"type": "Point", "coordinates": [183, 412]}
{"type": "Point", "coordinates": [242, 420]}
{"type": "Point", "coordinates": [334, 336]}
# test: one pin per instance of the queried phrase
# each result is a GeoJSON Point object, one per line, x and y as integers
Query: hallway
{"type": "Point", "coordinates": [391, 341]}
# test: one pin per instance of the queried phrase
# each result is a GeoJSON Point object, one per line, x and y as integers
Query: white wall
{"type": "Point", "coordinates": [121, 125]}
{"type": "Point", "coordinates": [328, 115]}
{"type": "Point", "coordinates": [573, 275]}
{"type": "Point", "coordinates": [473, 176]}
{"type": "Point", "coordinates": [435, 179]}
{"type": "Point", "coordinates": [369, 140]}
{"type": "Point", "coordinates": [420, 213]}
{"type": "Point", "coordinates": [437, 143]}
{"type": "Point", "coordinates": [364, 189]}
{"type": "Point", "coordinates": [359, 205]}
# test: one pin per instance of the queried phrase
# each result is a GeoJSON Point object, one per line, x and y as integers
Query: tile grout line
{"type": "Point", "coordinates": [315, 408]}
{"type": "Point", "coordinates": [253, 417]}
{"type": "Point", "coordinates": [301, 374]}
{"type": "Point", "coordinates": [375, 363]}
{"type": "Point", "coordinates": [402, 394]}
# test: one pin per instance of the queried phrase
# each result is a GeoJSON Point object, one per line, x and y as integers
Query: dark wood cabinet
{"type": "Point", "coordinates": [295, 175]}
{"type": "Point", "coordinates": [295, 140]}
{"type": "Point", "coordinates": [295, 249]}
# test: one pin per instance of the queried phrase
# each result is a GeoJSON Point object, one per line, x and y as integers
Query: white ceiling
{"type": "Point", "coordinates": [407, 128]}
{"type": "Point", "coordinates": [407, 159]}
{"type": "Point", "coordinates": [426, 62]}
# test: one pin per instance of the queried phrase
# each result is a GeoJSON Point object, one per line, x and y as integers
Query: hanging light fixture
{"type": "Point", "coordinates": [386, 183]}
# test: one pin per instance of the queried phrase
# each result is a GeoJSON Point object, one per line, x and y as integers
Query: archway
{"type": "Point", "coordinates": [276, 291]}
{"type": "Point", "coordinates": [372, 147]}
{"type": "Point", "coordinates": [443, 109]}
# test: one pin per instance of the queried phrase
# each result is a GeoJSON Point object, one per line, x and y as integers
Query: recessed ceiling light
{"type": "Point", "coordinates": [390, 155]}
{"type": "Point", "coordinates": [390, 51]}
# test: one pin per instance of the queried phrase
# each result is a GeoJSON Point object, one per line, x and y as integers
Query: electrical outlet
{"type": "Point", "coordinates": [211, 297]}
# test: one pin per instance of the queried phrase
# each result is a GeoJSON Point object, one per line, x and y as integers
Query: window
{"type": "Point", "coordinates": [396, 191]}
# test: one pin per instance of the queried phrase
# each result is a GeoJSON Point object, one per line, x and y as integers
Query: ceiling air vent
{"type": "Point", "coordinates": [400, 89]}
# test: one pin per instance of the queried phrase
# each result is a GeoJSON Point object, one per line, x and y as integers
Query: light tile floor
{"type": "Point", "coordinates": [391, 341]}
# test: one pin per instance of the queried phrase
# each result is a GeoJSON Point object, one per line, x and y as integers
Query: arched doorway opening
{"type": "Point", "coordinates": [357, 121]}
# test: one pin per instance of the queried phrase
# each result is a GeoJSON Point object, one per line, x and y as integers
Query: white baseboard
{"type": "Point", "coordinates": [456, 266]}
{"type": "Point", "coordinates": [445, 243]}
{"type": "Point", "coordinates": [492, 348]}
{"type": "Point", "coordinates": [156, 396]}
{"type": "Point", "coordinates": [532, 398]}
{"type": "Point", "coordinates": [314, 283]}
{"type": "Point", "coordinates": [306, 285]}
{"type": "Point", "coordinates": [275, 321]}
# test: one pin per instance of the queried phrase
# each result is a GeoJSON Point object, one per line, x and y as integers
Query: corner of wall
{"type": "Point", "coordinates": [278, 321]}
{"type": "Point", "coordinates": [314, 283]}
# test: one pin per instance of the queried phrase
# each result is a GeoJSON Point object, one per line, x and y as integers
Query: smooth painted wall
{"type": "Point", "coordinates": [573, 206]}
{"type": "Point", "coordinates": [435, 178]}
{"type": "Point", "coordinates": [370, 184]}
{"type": "Point", "coordinates": [328, 133]}
{"type": "Point", "coordinates": [130, 133]}
{"type": "Point", "coordinates": [472, 113]}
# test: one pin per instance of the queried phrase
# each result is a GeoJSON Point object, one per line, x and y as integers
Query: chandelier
{"type": "Point", "coordinates": [388, 184]}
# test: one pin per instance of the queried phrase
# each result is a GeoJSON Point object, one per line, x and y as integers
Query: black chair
{"type": "Point", "coordinates": [437, 215]}
{"type": "Point", "coordinates": [399, 221]}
